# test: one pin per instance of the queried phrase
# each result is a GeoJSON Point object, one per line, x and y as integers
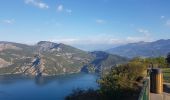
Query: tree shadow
{"type": "Point", "coordinates": [166, 88]}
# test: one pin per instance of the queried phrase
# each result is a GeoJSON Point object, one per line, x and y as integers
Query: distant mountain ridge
{"type": "Point", "coordinates": [48, 58]}
{"type": "Point", "coordinates": [144, 49]}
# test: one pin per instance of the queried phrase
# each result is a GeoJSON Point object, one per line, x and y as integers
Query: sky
{"type": "Point", "coordinates": [85, 24]}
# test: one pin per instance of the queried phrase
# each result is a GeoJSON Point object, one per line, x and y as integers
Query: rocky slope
{"type": "Point", "coordinates": [48, 58]}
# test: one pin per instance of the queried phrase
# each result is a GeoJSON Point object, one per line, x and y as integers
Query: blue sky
{"type": "Point", "coordinates": [86, 24]}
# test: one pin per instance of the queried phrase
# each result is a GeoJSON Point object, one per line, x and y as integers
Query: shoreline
{"type": "Point", "coordinates": [21, 74]}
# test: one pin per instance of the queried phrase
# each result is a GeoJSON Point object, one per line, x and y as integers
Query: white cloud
{"type": "Point", "coordinates": [100, 21]}
{"type": "Point", "coordinates": [145, 35]}
{"type": "Point", "coordinates": [69, 11]}
{"type": "Point", "coordinates": [103, 39]}
{"type": "Point", "coordinates": [60, 8]}
{"type": "Point", "coordinates": [99, 39]}
{"type": "Point", "coordinates": [65, 40]}
{"type": "Point", "coordinates": [37, 3]}
{"type": "Point", "coordinates": [131, 39]}
{"type": "Point", "coordinates": [100, 42]}
{"type": "Point", "coordinates": [138, 39]}
{"type": "Point", "coordinates": [162, 17]}
{"type": "Point", "coordinates": [8, 21]}
{"type": "Point", "coordinates": [144, 32]}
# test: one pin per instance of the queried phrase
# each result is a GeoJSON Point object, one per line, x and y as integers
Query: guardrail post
{"type": "Point", "coordinates": [156, 79]}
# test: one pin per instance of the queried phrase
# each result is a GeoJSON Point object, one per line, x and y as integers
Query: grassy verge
{"type": "Point", "coordinates": [166, 74]}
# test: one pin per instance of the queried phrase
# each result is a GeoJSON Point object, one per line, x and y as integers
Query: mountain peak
{"type": "Point", "coordinates": [46, 45]}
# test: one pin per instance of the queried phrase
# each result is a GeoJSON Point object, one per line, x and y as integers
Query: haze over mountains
{"type": "Point", "coordinates": [48, 58]}
{"type": "Point", "coordinates": [143, 49]}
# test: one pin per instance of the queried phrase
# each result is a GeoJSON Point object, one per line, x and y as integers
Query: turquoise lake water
{"type": "Point", "coordinates": [17, 87]}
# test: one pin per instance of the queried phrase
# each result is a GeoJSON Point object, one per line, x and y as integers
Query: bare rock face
{"type": "Point", "coordinates": [4, 63]}
{"type": "Point", "coordinates": [36, 68]}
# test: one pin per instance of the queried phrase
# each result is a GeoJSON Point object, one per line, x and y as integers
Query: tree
{"type": "Point", "coordinates": [122, 81]}
{"type": "Point", "coordinates": [168, 58]}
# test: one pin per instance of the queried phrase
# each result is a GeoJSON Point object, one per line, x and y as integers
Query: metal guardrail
{"type": "Point", "coordinates": [145, 92]}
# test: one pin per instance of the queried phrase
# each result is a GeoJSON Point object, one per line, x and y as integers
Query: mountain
{"type": "Point", "coordinates": [103, 61]}
{"type": "Point", "coordinates": [144, 49]}
{"type": "Point", "coordinates": [48, 58]}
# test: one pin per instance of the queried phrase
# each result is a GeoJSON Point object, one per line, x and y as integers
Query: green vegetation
{"type": "Point", "coordinates": [124, 81]}
{"type": "Point", "coordinates": [158, 62]}
{"type": "Point", "coordinates": [121, 83]}
{"type": "Point", "coordinates": [166, 74]}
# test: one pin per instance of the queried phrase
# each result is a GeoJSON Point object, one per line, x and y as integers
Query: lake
{"type": "Point", "coordinates": [19, 87]}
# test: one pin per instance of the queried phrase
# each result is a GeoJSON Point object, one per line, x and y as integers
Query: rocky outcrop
{"type": "Point", "coordinates": [36, 67]}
